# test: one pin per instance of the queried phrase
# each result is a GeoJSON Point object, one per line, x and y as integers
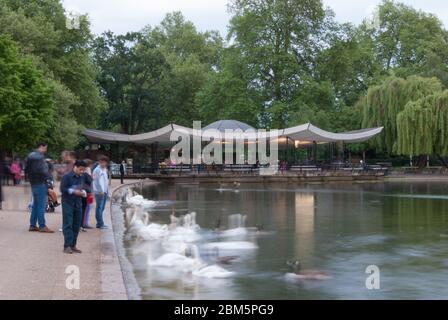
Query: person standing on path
{"type": "Point", "coordinates": [38, 172]}
{"type": "Point", "coordinates": [122, 171]}
{"type": "Point", "coordinates": [73, 189]}
{"type": "Point", "coordinates": [68, 161]}
{"type": "Point", "coordinates": [88, 201]}
{"type": "Point", "coordinates": [16, 171]}
{"type": "Point", "coordinates": [101, 190]}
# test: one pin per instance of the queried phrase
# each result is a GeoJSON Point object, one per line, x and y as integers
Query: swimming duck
{"type": "Point", "coordinates": [299, 274]}
{"type": "Point", "coordinates": [224, 259]}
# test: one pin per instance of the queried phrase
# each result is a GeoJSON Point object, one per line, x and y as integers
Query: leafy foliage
{"type": "Point", "coordinates": [285, 62]}
{"type": "Point", "coordinates": [63, 56]}
{"type": "Point", "coordinates": [384, 102]}
{"type": "Point", "coordinates": [26, 104]}
{"type": "Point", "coordinates": [422, 126]}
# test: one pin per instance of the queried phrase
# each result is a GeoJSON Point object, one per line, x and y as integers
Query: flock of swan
{"type": "Point", "coordinates": [179, 243]}
{"type": "Point", "coordinates": [178, 240]}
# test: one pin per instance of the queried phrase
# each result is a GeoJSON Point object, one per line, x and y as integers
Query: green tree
{"type": "Point", "coordinates": [191, 56]}
{"type": "Point", "coordinates": [131, 71]}
{"type": "Point", "coordinates": [409, 42]}
{"type": "Point", "coordinates": [227, 94]}
{"type": "Point", "coordinates": [423, 126]}
{"type": "Point", "coordinates": [278, 41]}
{"type": "Point", "coordinates": [39, 26]}
{"type": "Point", "coordinates": [384, 102]}
{"type": "Point", "coordinates": [348, 64]}
{"type": "Point", "coordinates": [25, 100]}
{"type": "Point", "coordinates": [64, 132]}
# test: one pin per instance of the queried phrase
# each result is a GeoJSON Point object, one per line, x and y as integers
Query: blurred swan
{"type": "Point", "coordinates": [174, 221]}
{"type": "Point", "coordinates": [213, 272]}
{"type": "Point", "coordinates": [139, 200]}
{"type": "Point", "coordinates": [231, 245]}
{"type": "Point", "coordinates": [183, 234]}
{"type": "Point", "coordinates": [189, 221]}
{"type": "Point", "coordinates": [237, 226]}
{"type": "Point", "coordinates": [176, 260]}
{"type": "Point", "coordinates": [184, 229]}
{"type": "Point", "coordinates": [153, 231]}
{"type": "Point", "coordinates": [174, 246]}
{"type": "Point", "coordinates": [139, 220]}
{"type": "Point", "coordinates": [236, 232]}
{"type": "Point", "coordinates": [190, 261]}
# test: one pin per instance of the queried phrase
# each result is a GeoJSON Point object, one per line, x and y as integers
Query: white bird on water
{"type": "Point", "coordinates": [231, 245]}
{"type": "Point", "coordinates": [153, 231]}
{"type": "Point", "coordinates": [188, 263]}
{"type": "Point", "coordinates": [213, 271]}
{"type": "Point", "coordinates": [139, 200]}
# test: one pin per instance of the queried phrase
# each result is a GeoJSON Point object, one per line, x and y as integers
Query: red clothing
{"type": "Point", "coordinates": [16, 170]}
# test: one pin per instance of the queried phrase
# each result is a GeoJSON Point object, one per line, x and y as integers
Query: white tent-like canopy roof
{"type": "Point", "coordinates": [308, 132]}
{"type": "Point", "coordinates": [223, 125]}
{"type": "Point", "coordinates": [304, 133]}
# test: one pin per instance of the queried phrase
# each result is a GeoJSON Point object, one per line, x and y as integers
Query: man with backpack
{"type": "Point", "coordinates": [37, 172]}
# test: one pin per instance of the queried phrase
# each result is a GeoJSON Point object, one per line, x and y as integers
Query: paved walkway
{"type": "Point", "coordinates": [32, 265]}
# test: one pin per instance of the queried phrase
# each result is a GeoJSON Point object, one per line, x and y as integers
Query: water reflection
{"type": "Point", "coordinates": [304, 226]}
{"type": "Point", "coordinates": [337, 228]}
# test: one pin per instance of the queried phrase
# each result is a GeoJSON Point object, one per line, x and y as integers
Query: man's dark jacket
{"type": "Point", "coordinates": [72, 181]}
{"type": "Point", "coordinates": [37, 169]}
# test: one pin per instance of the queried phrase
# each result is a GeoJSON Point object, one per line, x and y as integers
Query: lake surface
{"type": "Point", "coordinates": [338, 229]}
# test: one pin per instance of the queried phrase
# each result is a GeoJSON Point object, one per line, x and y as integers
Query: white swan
{"type": "Point", "coordinates": [184, 229]}
{"type": "Point", "coordinates": [139, 200]}
{"type": "Point", "coordinates": [138, 221]}
{"type": "Point", "coordinates": [184, 235]}
{"type": "Point", "coordinates": [174, 246]}
{"type": "Point", "coordinates": [174, 221]}
{"type": "Point", "coordinates": [232, 245]}
{"type": "Point", "coordinates": [213, 271]}
{"type": "Point", "coordinates": [236, 232]}
{"type": "Point", "coordinates": [170, 260]}
{"type": "Point", "coordinates": [153, 231]}
{"type": "Point", "coordinates": [189, 221]}
{"type": "Point", "coordinates": [176, 260]}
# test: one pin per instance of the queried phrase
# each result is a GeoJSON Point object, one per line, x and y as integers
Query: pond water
{"type": "Point", "coordinates": [337, 230]}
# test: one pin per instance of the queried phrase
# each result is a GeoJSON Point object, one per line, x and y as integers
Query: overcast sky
{"type": "Point", "coordinates": [121, 16]}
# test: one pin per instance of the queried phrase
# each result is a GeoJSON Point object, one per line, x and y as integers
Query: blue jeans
{"type": "Point", "coordinates": [40, 196]}
{"type": "Point", "coordinates": [71, 223]}
{"type": "Point", "coordinates": [100, 200]}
